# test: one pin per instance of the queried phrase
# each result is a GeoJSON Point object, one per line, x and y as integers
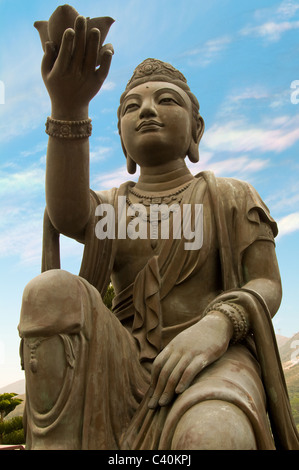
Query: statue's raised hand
{"type": "Point", "coordinates": [71, 76]}
{"type": "Point", "coordinates": [175, 368]}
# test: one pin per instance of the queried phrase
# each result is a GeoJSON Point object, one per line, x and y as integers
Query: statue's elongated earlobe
{"type": "Point", "coordinates": [197, 133]}
{"type": "Point", "coordinates": [131, 165]}
{"type": "Point", "coordinates": [193, 153]}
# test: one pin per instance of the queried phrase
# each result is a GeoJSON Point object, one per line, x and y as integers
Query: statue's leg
{"type": "Point", "coordinates": [54, 352]}
{"type": "Point", "coordinates": [84, 380]}
{"type": "Point", "coordinates": [214, 425]}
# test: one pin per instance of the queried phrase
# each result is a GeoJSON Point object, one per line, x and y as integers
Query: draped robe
{"type": "Point", "coordinates": [115, 412]}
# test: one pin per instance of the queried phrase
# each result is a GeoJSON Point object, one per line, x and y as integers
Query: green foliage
{"type": "Point", "coordinates": [11, 431]}
{"type": "Point", "coordinates": [108, 297]}
{"type": "Point", "coordinates": [294, 400]}
{"type": "Point", "coordinates": [8, 404]}
{"type": "Point", "coordinates": [14, 438]}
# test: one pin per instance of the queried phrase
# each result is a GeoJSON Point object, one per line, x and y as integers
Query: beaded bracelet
{"type": "Point", "coordinates": [68, 129]}
{"type": "Point", "coordinates": [236, 314]}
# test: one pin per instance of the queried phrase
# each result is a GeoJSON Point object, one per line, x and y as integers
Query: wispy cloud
{"type": "Point", "coordinates": [288, 224]}
{"type": "Point", "coordinates": [40, 147]}
{"type": "Point", "coordinates": [208, 51]}
{"type": "Point", "coordinates": [26, 99]}
{"type": "Point", "coordinates": [23, 240]}
{"type": "Point", "coordinates": [100, 153]}
{"type": "Point", "coordinates": [242, 136]}
{"type": "Point", "coordinates": [113, 179]}
{"type": "Point", "coordinates": [20, 182]}
{"type": "Point", "coordinates": [286, 200]}
{"type": "Point", "coordinates": [273, 21]}
{"type": "Point", "coordinates": [288, 8]}
{"type": "Point", "coordinates": [238, 167]}
{"type": "Point", "coordinates": [270, 30]}
{"type": "Point", "coordinates": [108, 85]}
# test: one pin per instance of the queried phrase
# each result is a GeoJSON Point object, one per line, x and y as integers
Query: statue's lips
{"type": "Point", "coordinates": [149, 125]}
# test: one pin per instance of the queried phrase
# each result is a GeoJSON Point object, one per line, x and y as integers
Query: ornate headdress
{"type": "Point", "coordinates": [155, 70]}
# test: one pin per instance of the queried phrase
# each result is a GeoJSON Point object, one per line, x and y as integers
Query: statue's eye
{"type": "Point", "coordinates": [130, 107]}
{"type": "Point", "coordinates": [167, 100]}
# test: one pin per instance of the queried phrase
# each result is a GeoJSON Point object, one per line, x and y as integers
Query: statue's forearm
{"type": "Point", "coordinates": [261, 273]}
{"type": "Point", "coordinates": [270, 290]}
{"type": "Point", "coordinates": [67, 184]}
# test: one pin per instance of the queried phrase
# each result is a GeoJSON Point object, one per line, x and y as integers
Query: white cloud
{"type": "Point", "coordinates": [288, 224]}
{"type": "Point", "coordinates": [270, 30]}
{"type": "Point", "coordinates": [238, 167]}
{"type": "Point", "coordinates": [250, 93]}
{"type": "Point", "coordinates": [287, 9]}
{"type": "Point", "coordinates": [108, 86]}
{"type": "Point", "coordinates": [26, 99]}
{"type": "Point", "coordinates": [99, 153]}
{"type": "Point", "coordinates": [113, 179]}
{"type": "Point", "coordinates": [209, 51]}
{"type": "Point", "coordinates": [234, 101]}
{"type": "Point", "coordinates": [25, 181]}
{"type": "Point", "coordinates": [40, 147]}
{"type": "Point", "coordinates": [23, 238]}
{"type": "Point", "coordinates": [242, 136]}
{"type": "Point", "coordinates": [286, 200]}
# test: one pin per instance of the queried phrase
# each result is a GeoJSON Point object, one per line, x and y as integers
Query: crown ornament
{"type": "Point", "coordinates": [154, 67]}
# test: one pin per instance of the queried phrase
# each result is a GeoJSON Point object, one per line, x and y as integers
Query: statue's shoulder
{"type": "Point", "coordinates": [105, 196]}
{"type": "Point", "coordinates": [109, 196]}
{"type": "Point", "coordinates": [238, 197]}
{"type": "Point", "coordinates": [228, 186]}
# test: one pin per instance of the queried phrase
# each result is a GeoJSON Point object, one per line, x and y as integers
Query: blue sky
{"type": "Point", "coordinates": [240, 59]}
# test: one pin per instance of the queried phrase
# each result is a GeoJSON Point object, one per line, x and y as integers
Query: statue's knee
{"type": "Point", "coordinates": [52, 303]}
{"type": "Point", "coordinates": [214, 425]}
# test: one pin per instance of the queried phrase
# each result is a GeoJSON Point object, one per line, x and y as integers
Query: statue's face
{"type": "Point", "coordinates": [156, 123]}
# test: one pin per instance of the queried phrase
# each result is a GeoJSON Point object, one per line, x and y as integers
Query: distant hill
{"type": "Point", "coordinates": [15, 387]}
{"type": "Point", "coordinates": [289, 350]}
{"type": "Point", "coordinates": [281, 340]}
{"type": "Point", "coordinates": [289, 354]}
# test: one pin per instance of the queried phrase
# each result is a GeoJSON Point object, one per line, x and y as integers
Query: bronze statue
{"type": "Point", "coordinates": [187, 359]}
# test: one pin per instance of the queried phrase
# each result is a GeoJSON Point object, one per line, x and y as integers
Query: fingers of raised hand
{"type": "Point", "coordinates": [107, 49]}
{"type": "Point", "coordinates": [79, 42]}
{"type": "Point", "coordinates": [92, 48]}
{"type": "Point", "coordinates": [106, 54]}
{"type": "Point", "coordinates": [65, 52]}
{"type": "Point", "coordinates": [48, 58]}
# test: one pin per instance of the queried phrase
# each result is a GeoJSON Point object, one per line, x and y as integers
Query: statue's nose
{"type": "Point", "coordinates": [147, 109]}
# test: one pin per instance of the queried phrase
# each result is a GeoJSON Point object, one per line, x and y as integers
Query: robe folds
{"type": "Point", "coordinates": [115, 382]}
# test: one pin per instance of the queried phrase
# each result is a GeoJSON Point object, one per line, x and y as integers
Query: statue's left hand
{"type": "Point", "coordinates": [71, 77]}
{"type": "Point", "coordinates": [187, 355]}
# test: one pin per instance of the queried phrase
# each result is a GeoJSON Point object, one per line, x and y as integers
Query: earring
{"type": "Point", "coordinates": [131, 165]}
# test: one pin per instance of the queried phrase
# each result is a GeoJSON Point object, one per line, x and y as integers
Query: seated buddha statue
{"type": "Point", "coordinates": [187, 357]}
